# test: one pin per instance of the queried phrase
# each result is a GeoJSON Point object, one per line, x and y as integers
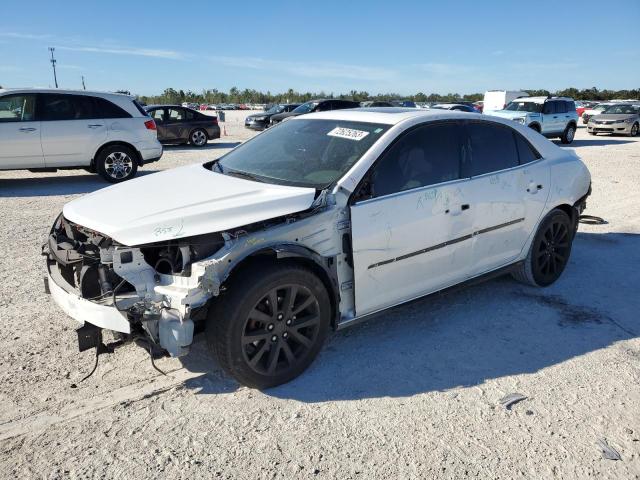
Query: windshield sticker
{"type": "Point", "coordinates": [348, 133]}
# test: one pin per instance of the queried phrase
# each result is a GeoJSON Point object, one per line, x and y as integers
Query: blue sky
{"type": "Point", "coordinates": [336, 46]}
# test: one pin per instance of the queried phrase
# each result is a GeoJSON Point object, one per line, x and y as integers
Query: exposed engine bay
{"type": "Point", "coordinates": [159, 292]}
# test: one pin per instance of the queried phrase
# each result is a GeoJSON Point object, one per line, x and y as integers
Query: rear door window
{"type": "Point", "coordinates": [54, 107]}
{"type": "Point", "coordinates": [426, 155]}
{"type": "Point", "coordinates": [492, 146]}
{"type": "Point", "coordinates": [176, 115]}
{"type": "Point", "coordinates": [17, 108]}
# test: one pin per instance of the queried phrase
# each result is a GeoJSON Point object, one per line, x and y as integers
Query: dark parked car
{"type": "Point", "coordinates": [377, 103]}
{"type": "Point", "coordinates": [404, 103]}
{"type": "Point", "coordinates": [322, 105]}
{"type": "Point", "coordinates": [177, 124]}
{"type": "Point", "coordinates": [260, 121]}
{"type": "Point", "coordinates": [456, 106]}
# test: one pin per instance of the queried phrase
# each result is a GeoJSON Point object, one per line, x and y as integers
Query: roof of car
{"type": "Point", "coordinates": [60, 90]}
{"type": "Point", "coordinates": [386, 115]}
{"type": "Point", "coordinates": [542, 99]}
{"type": "Point", "coordinates": [163, 105]}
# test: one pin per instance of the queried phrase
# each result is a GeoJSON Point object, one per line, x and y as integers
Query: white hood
{"type": "Point", "coordinates": [182, 202]}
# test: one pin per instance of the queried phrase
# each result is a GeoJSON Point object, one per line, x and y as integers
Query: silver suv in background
{"type": "Point", "coordinates": [553, 117]}
{"type": "Point", "coordinates": [47, 130]}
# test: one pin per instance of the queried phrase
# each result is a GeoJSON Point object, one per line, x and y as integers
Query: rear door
{"type": "Point", "coordinates": [411, 223]}
{"type": "Point", "coordinates": [159, 115]}
{"type": "Point", "coordinates": [20, 145]}
{"type": "Point", "coordinates": [176, 125]}
{"type": "Point", "coordinates": [72, 129]}
{"type": "Point", "coordinates": [507, 191]}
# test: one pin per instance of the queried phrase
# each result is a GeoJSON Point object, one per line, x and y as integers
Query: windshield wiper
{"type": "Point", "coordinates": [215, 166]}
{"type": "Point", "coordinates": [248, 176]}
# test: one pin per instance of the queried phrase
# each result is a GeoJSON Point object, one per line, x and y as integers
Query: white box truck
{"type": "Point", "coordinates": [498, 99]}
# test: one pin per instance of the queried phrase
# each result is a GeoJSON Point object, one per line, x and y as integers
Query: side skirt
{"type": "Point", "coordinates": [454, 288]}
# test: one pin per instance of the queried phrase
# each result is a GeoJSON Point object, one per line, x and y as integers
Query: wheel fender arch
{"type": "Point", "coordinates": [535, 126]}
{"type": "Point", "coordinates": [323, 267]}
{"type": "Point", "coordinates": [138, 158]}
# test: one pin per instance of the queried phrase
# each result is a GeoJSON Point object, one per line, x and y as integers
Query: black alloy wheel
{"type": "Point", "coordinates": [280, 330]}
{"type": "Point", "coordinates": [270, 323]}
{"type": "Point", "coordinates": [551, 251]}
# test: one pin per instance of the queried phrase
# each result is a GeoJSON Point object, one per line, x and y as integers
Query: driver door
{"type": "Point", "coordinates": [411, 221]}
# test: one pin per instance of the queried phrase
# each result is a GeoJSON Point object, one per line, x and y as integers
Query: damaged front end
{"type": "Point", "coordinates": [151, 292]}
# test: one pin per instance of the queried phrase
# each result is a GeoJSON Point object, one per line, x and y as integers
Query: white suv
{"type": "Point", "coordinates": [46, 130]}
{"type": "Point", "coordinates": [550, 116]}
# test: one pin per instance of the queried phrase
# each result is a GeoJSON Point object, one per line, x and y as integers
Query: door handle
{"type": "Point", "coordinates": [29, 129]}
{"type": "Point", "coordinates": [458, 211]}
{"type": "Point", "coordinates": [95, 125]}
{"type": "Point", "coordinates": [533, 188]}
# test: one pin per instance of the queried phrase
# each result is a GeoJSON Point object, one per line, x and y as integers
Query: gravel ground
{"type": "Point", "coordinates": [412, 395]}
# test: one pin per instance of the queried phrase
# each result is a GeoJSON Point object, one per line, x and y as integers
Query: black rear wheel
{"type": "Point", "coordinates": [268, 333]}
{"type": "Point", "coordinates": [549, 252]}
{"type": "Point", "coordinates": [569, 134]}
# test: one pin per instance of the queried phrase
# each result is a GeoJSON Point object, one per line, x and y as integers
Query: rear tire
{"type": "Point", "coordinates": [270, 325]}
{"type": "Point", "coordinates": [568, 134]}
{"type": "Point", "coordinates": [117, 163]}
{"type": "Point", "coordinates": [549, 252]}
{"type": "Point", "coordinates": [198, 138]}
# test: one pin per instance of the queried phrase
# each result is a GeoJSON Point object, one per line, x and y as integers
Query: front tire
{"type": "Point", "coordinates": [198, 138]}
{"type": "Point", "coordinates": [270, 325]}
{"type": "Point", "coordinates": [549, 252]}
{"type": "Point", "coordinates": [569, 134]}
{"type": "Point", "coordinates": [634, 130]}
{"type": "Point", "coordinates": [116, 163]}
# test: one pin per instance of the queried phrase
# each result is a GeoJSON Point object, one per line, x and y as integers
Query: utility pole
{"type": "Point", "coordinates": [83, 86]}
{"type": "Point", "coordinates": [53, 64]}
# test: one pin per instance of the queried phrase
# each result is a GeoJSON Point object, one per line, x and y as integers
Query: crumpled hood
{"type": "Point", "coordinates": [182, 202]}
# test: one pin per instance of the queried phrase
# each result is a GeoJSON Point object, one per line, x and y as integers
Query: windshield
{"type": "Point", "coordinates": [275, 109]}
{"type": "Point", "coordinates": [305, 153]}
{"type": "Point", "coordinates": [600, 108]}
{"type": "Point", "coordinates": [621, 109]}
{"type": "Point", "coordinates": [524, 107]}
{"type": "Point", "coordinates": [306, 107]}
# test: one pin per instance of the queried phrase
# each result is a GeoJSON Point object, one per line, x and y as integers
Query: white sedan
{"type": "Point", "coordinates": [315, 224]}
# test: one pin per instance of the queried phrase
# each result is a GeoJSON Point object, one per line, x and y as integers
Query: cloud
{"type": "Point", "coordinates": [304, 69]}
{"type": "Point", "coordinates": [141, 52]}
{"type": "Point", "coordinates": [445, 69]}
{"type": "Point", "coordinates": [64, 66]}
{"type": "Point", "coordinates": [545, 65]}
{"type": "Point", "coordinates": [25, 36]}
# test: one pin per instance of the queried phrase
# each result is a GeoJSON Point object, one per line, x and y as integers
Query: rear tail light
{"type": "Point", "coordinates": [150, 124]}
{"type": "Point", "coordinates": [214, 120]}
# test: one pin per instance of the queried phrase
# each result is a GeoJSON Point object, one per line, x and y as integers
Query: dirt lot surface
{"type": "Point", "coordinates": [414, 394]}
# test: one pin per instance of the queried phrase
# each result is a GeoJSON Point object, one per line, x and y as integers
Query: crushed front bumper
{"type": "Point", "coordinates": [82, 310]}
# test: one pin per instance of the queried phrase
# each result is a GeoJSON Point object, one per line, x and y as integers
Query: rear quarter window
{"type": "Point", "coordinates": [526, 153]}
{"type": "Point", "coordinates": [107, 109]}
